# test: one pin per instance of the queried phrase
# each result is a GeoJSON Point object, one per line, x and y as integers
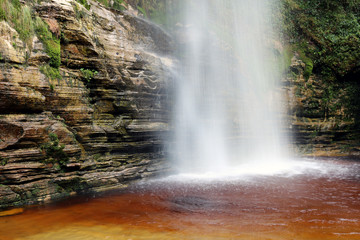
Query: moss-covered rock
{"type": "Point", "coordinates": [322, 113]}
{"type": "Point", "coordinates": [95, 88]}
{"type": "Point", "coordinates": [327, 32]}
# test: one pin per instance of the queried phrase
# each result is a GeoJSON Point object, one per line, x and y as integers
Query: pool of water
{"type": "Point", "coordinates": [312, 200]}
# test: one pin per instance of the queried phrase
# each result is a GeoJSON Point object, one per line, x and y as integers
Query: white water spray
{"type": "Point", "coordinates": [228, 105]}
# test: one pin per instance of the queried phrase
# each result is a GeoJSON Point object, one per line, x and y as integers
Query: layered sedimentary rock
{"type": "Point", "coordinates": [105, 116]}
{"type": "Point", "coordinates": [321, 114]}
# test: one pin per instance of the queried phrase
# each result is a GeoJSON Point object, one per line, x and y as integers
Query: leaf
{"type": "Point", "coordinates": [142, 11]}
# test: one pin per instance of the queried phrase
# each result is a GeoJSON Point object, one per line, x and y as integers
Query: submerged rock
{"type": "Point", "coordinates": [11, 212]}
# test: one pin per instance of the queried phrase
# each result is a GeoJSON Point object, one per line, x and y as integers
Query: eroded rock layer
{"type": "Point", "coordinates": [98, 126]}
{"type": "Point", "coordinates": [322, 114]}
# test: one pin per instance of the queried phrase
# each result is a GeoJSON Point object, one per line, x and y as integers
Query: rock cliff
{"type": "Point", "coordinates": [84, 102]}
{"type": "Point", "coordinates": [322, 119]}
{"type": "Point", "coordinates": [323, 78]}
{"type": "Point", "coordinates": [96, 124]}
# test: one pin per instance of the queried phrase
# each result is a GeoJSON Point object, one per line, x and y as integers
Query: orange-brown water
{"type": "Point", "coordinates": [311, 205]}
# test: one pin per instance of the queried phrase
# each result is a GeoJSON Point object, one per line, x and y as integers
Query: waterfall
{"type": "Point", "coordinates": [228, 104]}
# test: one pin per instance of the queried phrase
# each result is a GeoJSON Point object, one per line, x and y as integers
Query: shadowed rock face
{"type": "Point", "coordinates": [317, 111]}
{"type": "Point", "coordinates": [111, 126]}
{"type": "Point", "coordinates": [9, 134]}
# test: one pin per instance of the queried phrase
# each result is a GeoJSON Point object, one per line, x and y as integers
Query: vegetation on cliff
{"type": "Point", "coordinates": [326, 37]}
{"type": "Point", "coordinates": [106, 134]}
{"type": "Point", "coordinates": [154, 9]}
{"type": "Point", "coordinates": [51, 42]}
{"type": "Point", "coordinates": [18, 16]}
{"type": "Point", "coordinates": [27, 24]}
{"type": "Point", "coordinates": [114, 4]}
{"type": "Point", "coordinates": [328, 32]}
{"type": "Point", "coordinates": [55, 151]}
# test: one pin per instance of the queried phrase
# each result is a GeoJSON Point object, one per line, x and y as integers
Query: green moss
{"type": "Point", "coordinates": [351, 101]}
{"type": "Point", "coordinates": [159, 11]}
{"type": "Point", "coordinates": [35, 191]}
{"type": "Point", "coordinates": [73, 185]}
{"type": "Point", "coordinates": [329, 32]}
{"type": "Point", "coordinates": [53, 50]}
{"type": "Point", "coordinates": [18, 16]}
{"type": "Point", "coordinates": [3, 161]}
{"type": "Point", "coordinates": [52, 43]}
{"type": "Point", "coordinates": [79, 13]}
{"type": "Point", "coordinates": [55, 151]}
{"type": "Point", "coordinates": [114, 4]}
{"type": "Point", "coordinates": [97, 156]}
{"type": "Point", "coordinates": [119, 5]}
{"type": "Point", "coordinates": [142, 10]}
{"type": "Point", "coordinates": [106, 3]}
{"type": "Point", "coordinates": [84, 3]}
{"type": "Point", "coordinates": [287, 56]}
{"type": "Point", "coordinates": [24, 24]}
{"type": "Point", "coordinates": [284, 59]}
{"type": "Point", "coordinates": [63, 38]}
{"type": "Point", "coordinates": [308, 63]}
{"type": "Point", "coordinates": [50, 72]}
{"type": "Point", "coordinates": [2, 15]}
{"type": "Point", "coordinates": [16, 4]}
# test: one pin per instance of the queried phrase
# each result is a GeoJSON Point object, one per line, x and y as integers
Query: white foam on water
{"type": "Point", "coordinates": [253, 170]}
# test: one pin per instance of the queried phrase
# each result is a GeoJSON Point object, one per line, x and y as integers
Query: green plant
{"type": "Point", "coordinates": [327, 98]}
{"type": "Point", "coordinates": [24, 25]}
{"type": "Point", "coordinates": [97, 156]}
{"type": "Point", "coordinates": [3, 161]}
{"type": "Point", "coordinates": [142, 10]}
{"type": "Point", "coordinates": [84, 3]}
{"type": "Point", "coordinates": [88, 74]}
{"type": "Point", "coordinates": [75, 184]}
{"type": "Point", "coordinates": [79, 13]}
{"type": "Point", "coordinates": [27, 57]}
{"type": "Point", "coordinates": [115, 4]}
{"type": "Point", "coordinates": [16, 3]}
{"type": "Point", "coordinates": [50, 72]}
{"type": "Point", "coordinates": [35, 191]}
{"type": "Point", "coordinates": [52, 43]}
{"type": "Point", "coordinates": [63, 38]}
{"type": "Point", "coordinates": [314, 134]}
{"type": "Point", "coordinates": [119, 5]}
{"type": "Point", "coordinates": [18, 16]}
{"type": "Point", "coordinates": [351, 101]}
{"type": "Point", "coordinates": [163, 12]}
{"type": "Point", "coordinates": [2, 15]}
{"type": "Point", "coordinates": [55, 151]}
{"type": "Point", "coordinates": [106, 3]}
{"type": "Point", "coordinates": [309, 66]}
{"type": "Point", "coordinates": [328, 32]}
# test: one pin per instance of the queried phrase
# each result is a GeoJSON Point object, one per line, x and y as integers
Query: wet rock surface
{"type": "Point", "coordinates": [109, 127]}
{"type": "Point", "coordinates": [318, 111]}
